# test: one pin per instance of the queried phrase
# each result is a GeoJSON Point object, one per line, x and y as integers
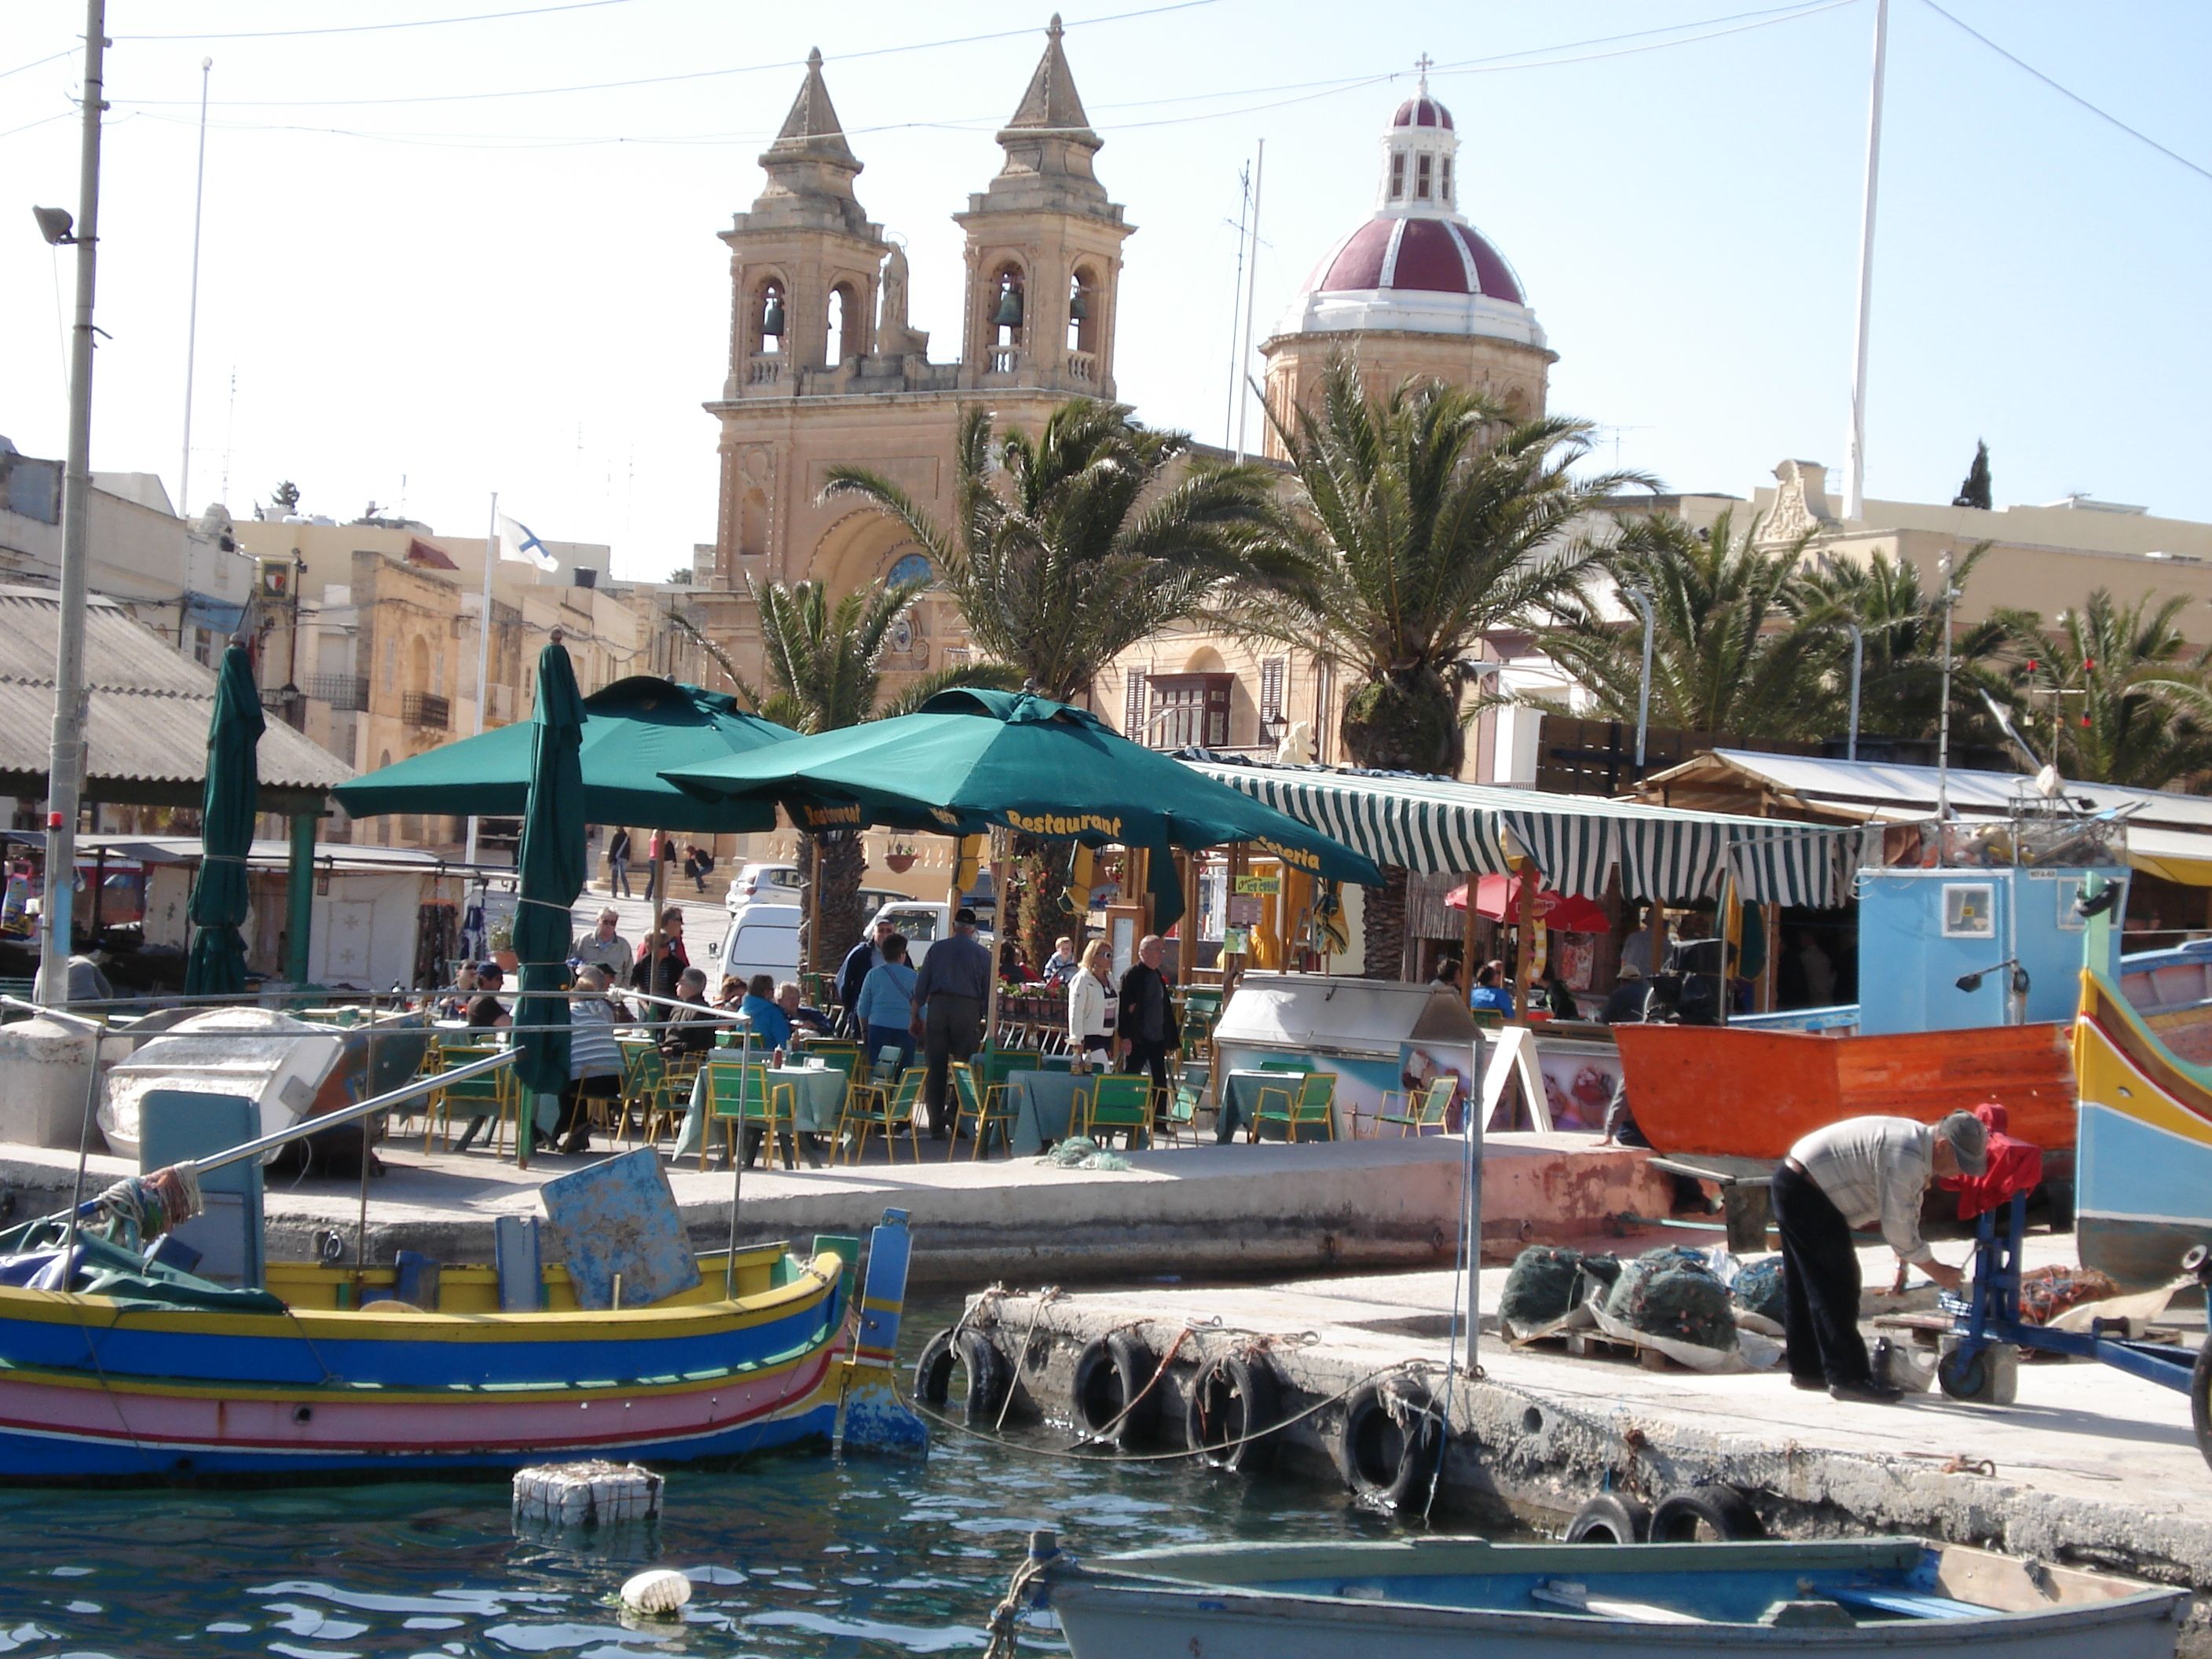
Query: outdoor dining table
{"type": "Point", "coordinates": [1043, 1107]}
{"type": "Point", "coordinates": [1240, 1099]}
{"type": "Point", "coordinates": [817, 1105]}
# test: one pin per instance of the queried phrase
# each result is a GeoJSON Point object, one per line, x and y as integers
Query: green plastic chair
{"type": "Point", "coordinates": [1001, 1063]}
{"type": "Point", "coordinates": [870, 1109]}
{"type": "Point", "coordinates": [986, 1109]}
{"type": "Point", "coordinates": [1429, 1109]}
{"type": "Point", "coordinates": [1121, 1101]}
{"type": "Point", "coordinates": [1313, 1103]}
{"type": "Point", "coordinates": [488, 1094]}
{"type": "Point", "coordinates": [739, 1096]}
{"type": "Point", "coordinates": [1181, 1115]}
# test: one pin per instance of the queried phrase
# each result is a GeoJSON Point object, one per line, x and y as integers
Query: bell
{"type": "Point", "coordinates": [772, 319]}
{"type": "Point", "coordinates": [1079, 305]}
{"type": "Point", "coordinates": [1010, 307]}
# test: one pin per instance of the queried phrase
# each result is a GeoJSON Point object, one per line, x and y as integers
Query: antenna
{"type": "Point", "coordinates": [1236, 300]}
{"type": "Point", "coordinates": [229, 426]}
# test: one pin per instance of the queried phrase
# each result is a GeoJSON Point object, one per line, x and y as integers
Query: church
{"type": "Point", "coordinates": [826, 367]}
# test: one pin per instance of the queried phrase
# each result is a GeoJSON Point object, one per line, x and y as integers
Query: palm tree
{"type": "Point", "coordinates": [1728, 654]}
{"type": "Point", "coordinates": [826, 672]}
{"type": "Point", "coordinates": [1419, 521]}
{"type": "Point", "coordinates": [2125, 694]}
{"type": "Point", "coordinates": [1064, 550]}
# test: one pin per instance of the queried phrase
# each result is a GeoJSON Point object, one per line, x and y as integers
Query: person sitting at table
{"type": "Point", "coordinates": [456, 1006]}
{"type": "Point", "coordinates": [885, 1010]}
{"type": "Point", "coordinates": [1490, 990]}
{"type": "Point", "coordinates": [771, 1026]}
{"type": "Point", "coordinates": [487, 1013]}
{"type": "Point", "coordinates": [1559, 997]}
{"type": "Point", "coordinates": [690, 1029]}
{"type": "Point", "coordinates": [605, 947]}
{"type": "Point", "coordinates": [1062, 965]}
{"type": "Point", "coordinates": [1448, 974]}
{"type": "Point", "coordinates": [1094, 1008]}
{"type": "Point", "coordinates": [1013, 966]}
{"type": "Point", "coordinates": [595, 1062]}
{"type": "Point", "coordinates": [731, 994]}
{"type": "Point", "coordinates": [805, 1021]}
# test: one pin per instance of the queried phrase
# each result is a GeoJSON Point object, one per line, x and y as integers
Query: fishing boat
{"type": "Point", "coordinates": [117, 1366]}
{"type": "Point", "coordinates": [1445, 1598]}
{"type": "Point", "coordinates": [2143, 1171]}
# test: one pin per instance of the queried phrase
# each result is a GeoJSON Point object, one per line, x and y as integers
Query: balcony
{"type": "Point", "coordinates": [1004, 362]}
{"type": "Point", "coordinates": [421, 710]}
{"type": "Point", "coordinates": [764, 371]}
{"type": "Point", "coordinates": [345, 693]}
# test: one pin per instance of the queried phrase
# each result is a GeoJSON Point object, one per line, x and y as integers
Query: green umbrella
{"type": "Point", "coordinates": [970, 759]}
{"type": "Point", "coordinates": [633, 730]}
{"type": "Point", "coordinates": [217, 965]}
{"type": "Point", "coordinates": [551, 861]}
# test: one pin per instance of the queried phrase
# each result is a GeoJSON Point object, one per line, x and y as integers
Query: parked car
{"type": "Point", "coordinates": [779, 883]}
{"type": "Point", "coordinates": [761, 938]}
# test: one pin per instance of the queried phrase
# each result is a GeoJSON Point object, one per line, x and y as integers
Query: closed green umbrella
{"type": "Point", "coordinates": [551, 862]}
{"type": "Point", "coordinates": [970, 759]}
{"type": "Point", "coordinates": [633, 730]}
{"type": "Point", "coordinates": [217, 965]}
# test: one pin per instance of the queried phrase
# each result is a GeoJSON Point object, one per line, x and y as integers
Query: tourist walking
{"type": "Point", "coordinates": [950, 993]}
{"type": "Point", "coordinates": [1094, 1004]}
{"type": "Point", "coordinates": [619, 864]}
{"type": "Point", "coordinates": [882, 1009]}
{"type": "Point", "coordinates": [1857, 1173]}
{"type": "Point", "coordinates": [1147, 1015]}
{"type": "Point", "coordinates": [860, 961]}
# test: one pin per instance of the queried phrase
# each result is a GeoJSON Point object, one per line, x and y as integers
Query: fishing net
{"type": "Point", "coordinates": [1546, 1281]}
{"type": "Point", "coordinates": [1672, 1292]}
{"type": "Point", "coordinates": [1758, 1287]}
{"type": "Point", "coordinates": [1081, 1152]}
{"type": "Point", "coordinates": [2047, 1292]}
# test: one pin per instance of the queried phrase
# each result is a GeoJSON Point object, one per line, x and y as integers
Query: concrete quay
{"type": "Point", "coordinates": [1189, 1211]}
{"type": "Point", "coordinates": [2089, 1466]}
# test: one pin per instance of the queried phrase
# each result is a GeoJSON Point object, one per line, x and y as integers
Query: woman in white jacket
{"type": "Point", "coordinates": [1094, 1006]}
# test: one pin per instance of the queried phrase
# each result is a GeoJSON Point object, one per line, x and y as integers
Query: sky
{"type": "Point", "coordinates": [462, 257]}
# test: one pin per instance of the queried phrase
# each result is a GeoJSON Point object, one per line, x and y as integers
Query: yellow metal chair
{"type": "Point", "coordinates": [1121, 1101]}
{"type": "Point", "coordinates": [1419, 1113]}
{"type": "Point", "coordinates": [740, 1098]}
{"type": "Point", "coordinates": [890, 1111]}
{"type": "Point", "coordinates": [492, 1094]}
{"type": "Point", "coordinates": [1313, 1103]}
{"type": "Point", "coordinates": [985, 1110]}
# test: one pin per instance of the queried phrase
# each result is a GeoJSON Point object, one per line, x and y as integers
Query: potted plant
{"type": "Point", "coordinates": [900, 857]}
{"type": "Point", "coordinates": [502, 946]}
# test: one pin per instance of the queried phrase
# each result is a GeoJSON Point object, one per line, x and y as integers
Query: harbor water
{"type": "Point", "coordinates": [789, 1555]}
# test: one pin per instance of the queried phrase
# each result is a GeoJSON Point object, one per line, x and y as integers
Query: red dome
{"type": "Point", "coordinates": [1422, 111]}
{"type": "Point", "coordinates": [1440, 255]}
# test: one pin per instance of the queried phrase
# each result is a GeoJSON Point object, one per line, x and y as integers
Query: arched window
{"type": "Point", "coordinates": [913, 567]}
{"type": "Point", "coordinates": [842, 306]}
{"type": "Point", "coordinates": [1006, 306]}
{"type": "Point", "coordinates": [1083, 297]}
{"type": "Point", "coordinates": [768, 322]}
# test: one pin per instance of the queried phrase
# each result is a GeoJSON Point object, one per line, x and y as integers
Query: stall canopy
{"type": "Point", "coordinates": [1439, 825]}
{"type": "Point", "coordinates": [2169, 833]}
{"type": "Point", "coordinates": [633, 731]}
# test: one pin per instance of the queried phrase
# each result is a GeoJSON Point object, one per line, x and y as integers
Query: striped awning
{"type": "Point", "coordinates": [1577, 842]}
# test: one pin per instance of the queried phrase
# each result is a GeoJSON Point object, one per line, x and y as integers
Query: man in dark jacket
{"type": "Point", "coordinates": [1148, 1015]}
{"type": "Point", "coordinates": [853, 972]}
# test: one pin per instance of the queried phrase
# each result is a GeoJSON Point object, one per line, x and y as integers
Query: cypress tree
{"type": "Point", "coordinates": [1975, 491]}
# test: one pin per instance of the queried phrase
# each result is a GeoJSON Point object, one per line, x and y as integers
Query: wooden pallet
{"type": "Point", "coordinates": [1590, 1344]}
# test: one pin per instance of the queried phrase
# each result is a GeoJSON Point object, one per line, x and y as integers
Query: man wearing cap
{"type": "Point", "coordinates": [488, 1012]}
{"type": "Point", "coordinates": [1858, 1173]}
{"type": "Point", "coordinates": [950, 996]}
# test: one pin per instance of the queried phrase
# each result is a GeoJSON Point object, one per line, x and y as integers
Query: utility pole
{"type": "Point", "coordinates": [1251, 286]}
{"type": "Point", "coordinates": [484, 649]}
{"type": "Point", "coordinates": [65, 763]}
{"type": "Point", "coordinates": [1855, 456]}
{"type": "Point", "coordinates": [192, 316]}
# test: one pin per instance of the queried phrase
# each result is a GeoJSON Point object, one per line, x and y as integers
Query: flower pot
{"type": "Point", "coordinates": [508, 961]}
{"type": "Point", "coordinates": [899, 863]}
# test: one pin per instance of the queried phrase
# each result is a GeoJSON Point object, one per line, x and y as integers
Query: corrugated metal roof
{"type": "Point", "coordinates": [1883, 785]}
{"type": "Point", "coordinates": [149, 707]}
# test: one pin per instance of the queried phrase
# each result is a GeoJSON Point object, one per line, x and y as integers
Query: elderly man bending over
{"type": "Point", "coordinates": [1855, 1174]}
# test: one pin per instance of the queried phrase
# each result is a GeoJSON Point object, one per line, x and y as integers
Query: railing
{"type": "Point", "coordinates": [1083, 366]}
{"type": "Point", "coordinates": [420, 709]}
{"type": "Point", "coordinates": [1004, 359]}
{"type": "Point", "coordinates": [347, 693]}
{"type": "Point", "coordinates": [764, 371]}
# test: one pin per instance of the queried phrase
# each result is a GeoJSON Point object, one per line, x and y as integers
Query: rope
{"type": "Point", "coordinates": [1005, 1616]}
{"type": "Point", "coordinates": [1048, 1293]}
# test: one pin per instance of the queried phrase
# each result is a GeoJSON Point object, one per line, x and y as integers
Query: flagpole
{"type": "Point", "coordinates": [484, 644]}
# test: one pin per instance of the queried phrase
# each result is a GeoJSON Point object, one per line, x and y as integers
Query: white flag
{"type": "Point", "coordinates": [519, 541]}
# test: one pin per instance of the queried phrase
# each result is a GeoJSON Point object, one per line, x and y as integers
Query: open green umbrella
{"type": "Point", "coordinates": [218, 963]}
{"type": "Point", "coordinates": [970, 759]}
{"type": "Point", "coordinates": [551, 861]}
{"type": "Point", "coordinates": [633, 730]}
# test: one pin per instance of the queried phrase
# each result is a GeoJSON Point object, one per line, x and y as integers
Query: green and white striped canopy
{"type": "Point", "coordinates": [1439, 825]}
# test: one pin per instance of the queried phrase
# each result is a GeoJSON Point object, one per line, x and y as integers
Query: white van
{"type": "Point", "coordinates": [762, 939]}
{"type": "Point", "coordinates": [923, 924]}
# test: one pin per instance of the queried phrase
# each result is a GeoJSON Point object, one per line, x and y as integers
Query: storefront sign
{"type": "Point", "coordinates": [1260, 886]}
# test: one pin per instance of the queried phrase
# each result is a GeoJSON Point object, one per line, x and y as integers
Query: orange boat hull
{"type": "Point", "coordinates": [1725, 1093]}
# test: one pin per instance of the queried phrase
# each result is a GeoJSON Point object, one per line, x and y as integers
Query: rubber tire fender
{"type": "Point", "coordinates": [1110, 1372]}
{"type": "Point", "coordinates": [978, 1359]}
{"type": "Point", "coordinates": [1721, 1508]}
{"type": "Point", "coordinates": [1609, 1518]}
{"type": "Point", "coordinates": [1383, 1459]}
{"type": "Point", "coordinates": [2200, 1398]}
{"type": "Point", "coordinates": [1231, 1412]}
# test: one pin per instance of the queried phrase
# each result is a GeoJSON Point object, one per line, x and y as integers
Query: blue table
{"type": "Point", "coordinates": [1043, 1107]}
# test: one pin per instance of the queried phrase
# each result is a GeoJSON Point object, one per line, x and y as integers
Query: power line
{"type": "Point", "coordinates": [66, 51]}
{"type": "Point", "coordinates": [2105, 115]}
{"type": "Point", "coordinates": [657, 79]}
{"type": "Point", "coordinates": [368, 28]}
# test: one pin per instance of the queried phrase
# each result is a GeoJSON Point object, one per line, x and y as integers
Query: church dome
{"type": "Point", "coordinates": [1416, 265]}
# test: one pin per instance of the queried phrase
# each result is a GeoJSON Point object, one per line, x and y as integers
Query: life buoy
{"type": "Point", "coordinates": [1113, 1399]}
{"type": "Point", "coordinates": [1716, 1511]}
{"type": "Point", "coordinates": [982, 1369]}
{"type": "Point", "coordinates": [1234, 1406]}
{"type": "Point", "coordinates": [1391, 1437]}
{"type": "Point", "coordinates": [1609, 1518]}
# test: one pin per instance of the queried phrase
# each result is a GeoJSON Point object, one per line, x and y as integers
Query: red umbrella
{"type": "Point", "coordinates": [1496, 897]}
